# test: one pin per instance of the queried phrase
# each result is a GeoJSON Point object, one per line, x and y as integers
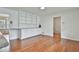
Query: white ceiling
{"type": "Point", "coordinates": [38, 11]}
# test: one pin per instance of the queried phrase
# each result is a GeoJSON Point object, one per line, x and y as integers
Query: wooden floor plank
{"type": "Point", "coordinates": [44, 44]}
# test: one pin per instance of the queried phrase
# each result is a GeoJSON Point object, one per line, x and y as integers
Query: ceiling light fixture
{"type": "Point", "coordinates": [42, 8]}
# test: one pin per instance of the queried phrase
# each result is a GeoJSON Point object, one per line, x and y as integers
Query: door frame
{"type": "Point", "coordinates": [53, 24]}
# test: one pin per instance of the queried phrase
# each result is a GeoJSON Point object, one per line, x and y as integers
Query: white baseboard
{"type": "Point", "coordinates": [70, 38]}
{"type": "Point", "coordinates": [47, 34]}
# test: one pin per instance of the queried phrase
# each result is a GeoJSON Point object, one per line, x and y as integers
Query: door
{"type": "Point", "coordinates": [57, 27]}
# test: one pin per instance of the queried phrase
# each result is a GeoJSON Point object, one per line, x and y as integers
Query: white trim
{"type": "Point", "coordinates": [70, 38]}
{"type": "Point", "coordinates": [47, 34]}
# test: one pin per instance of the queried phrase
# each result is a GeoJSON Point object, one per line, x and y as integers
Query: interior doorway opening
{"type": "Point", "coordinates": [57, 27]}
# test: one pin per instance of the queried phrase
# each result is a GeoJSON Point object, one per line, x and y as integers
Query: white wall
{"type": "Point", "coordinates": [70, 23]}
{"type": "Point", "coordinates": [47, 24]}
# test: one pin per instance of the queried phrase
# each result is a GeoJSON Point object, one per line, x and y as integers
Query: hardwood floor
{"type": "Point", "coordinates": [44, 44]}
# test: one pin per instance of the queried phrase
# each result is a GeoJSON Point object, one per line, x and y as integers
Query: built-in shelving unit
{"type": "Point", "coordinates": [28, 25]}
{"type": "Point", "coordinates": [27, 20]}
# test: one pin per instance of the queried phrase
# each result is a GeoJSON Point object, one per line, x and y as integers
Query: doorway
{"type": "Point", "coordinates": [4, 26]}
{"type": "Point", "coordinates": [57, 27]}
